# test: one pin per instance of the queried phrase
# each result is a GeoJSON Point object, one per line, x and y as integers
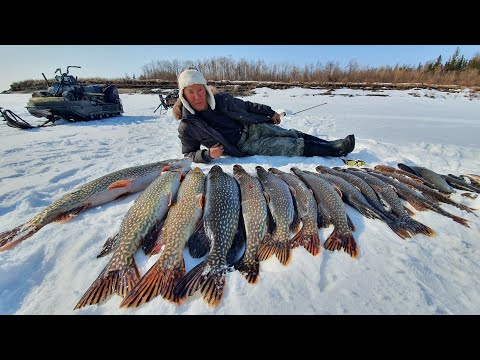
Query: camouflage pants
{"type": "Point", "coordinates": [270, 139]}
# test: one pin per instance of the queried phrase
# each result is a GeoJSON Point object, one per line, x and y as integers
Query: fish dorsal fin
{"type": "Point", "coordinates": [118, 184]}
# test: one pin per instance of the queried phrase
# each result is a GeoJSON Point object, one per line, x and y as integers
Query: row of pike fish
{"type": "Point", "coordinates": [221, 214]}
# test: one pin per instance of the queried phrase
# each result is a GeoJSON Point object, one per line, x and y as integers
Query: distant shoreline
{"type": "Point", "coordinates": [245, 88]}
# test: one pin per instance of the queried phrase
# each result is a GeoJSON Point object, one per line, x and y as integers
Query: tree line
{"type": "Point", "coordinates": [456, 70]}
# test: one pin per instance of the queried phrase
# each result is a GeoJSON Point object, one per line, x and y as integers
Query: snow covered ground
{"type": "Point", "coordinates": [49, 272]}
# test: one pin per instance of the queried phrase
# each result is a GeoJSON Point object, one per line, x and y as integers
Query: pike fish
{"type": "Point", "coordinates": [459, 183]}
{"type": "Point", "coordinates": [255, 217]}
{"type": "Point", "coordinates": [391, 198]}
{"type": "Point", "coordinates": [350, 194]}
{"type": "Point", "coordinates": [142, 221]}
{"type": "Point", "coordinates": [280, 203]}
{"type": "Point", "coordinates": [405, 173]}
{"type": "Point", "coordinates": [307, 211]}
{"type": "Point", "coordinates": [429, 193]}
{"type": "Point", "coordinates": [417, 200]}
{"type": "Point", "coordinates": [474, 179]}
{"type": "Point", "coordinates": [182, 218]}
{"type": "Point", "coordinates": [371, 196]}
{"type": "Point", "coordinates": [431, 176]}
{"type": "Point", "coordinates": [220, 221]}
{"type": "Point", "coordinates": [333, 208]}
{"type": "Point", "coordinates": [94, 193]}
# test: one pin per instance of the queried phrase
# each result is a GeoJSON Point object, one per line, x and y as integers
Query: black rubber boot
{"type": "Point", "coordinates": [335, 148]}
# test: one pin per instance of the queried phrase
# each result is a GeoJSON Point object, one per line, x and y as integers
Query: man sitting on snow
{"type": "Point", "coordinates": [225, 124]}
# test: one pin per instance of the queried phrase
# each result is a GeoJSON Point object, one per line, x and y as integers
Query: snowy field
{"type": "Point", "coordinates": [49, 272]}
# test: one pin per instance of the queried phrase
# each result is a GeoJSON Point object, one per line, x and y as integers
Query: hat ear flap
{"type": "Point", "coordinates": [210, 97]}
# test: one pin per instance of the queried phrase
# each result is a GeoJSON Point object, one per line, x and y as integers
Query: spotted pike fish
{"type": "Point", "coordinates": [417, 200]}
{"type": "Point", "coordinates": [390, 197]}
{"type": "Point", "coordinates": [280, 203]}
{"type": "Point", "coordinates": [255, 217]}
{"type": "Point", "coordinates": [94, 193]}
{"type": "Point", "coordinates": [459, 183]}
{"type": "Point", "coordinates": [143, 220]}
{"type": "Point", "coordinates": [307, 211]}
{"type": "Point", "coordinates": [474, 179]}
{"type": "Point", "coordinates": [405, 173]}
{"type": "Point", "coordinates": [372, 197]}
{"type": "Point", "coordinates": [181, 221]}
{"type": "Point", "coordinates": [220, 221]}
{"type": "Point", "coordinates": [333, 208]}
{"type": "Point", "coordinates": [429, 193]}
{"type": "Point", "coordinates": [350, 195]}
{"type": "Point", "coordinates": [431, 176]}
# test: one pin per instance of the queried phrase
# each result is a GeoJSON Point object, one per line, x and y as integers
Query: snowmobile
{"type": "Point", "coordinates": [67, 99]}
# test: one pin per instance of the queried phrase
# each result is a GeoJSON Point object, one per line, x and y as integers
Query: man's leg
{"type": "Point", "coordinates": [339, 147]}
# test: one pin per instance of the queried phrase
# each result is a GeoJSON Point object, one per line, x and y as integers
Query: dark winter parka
{"type": "Point", "coordinates": [194, 132]}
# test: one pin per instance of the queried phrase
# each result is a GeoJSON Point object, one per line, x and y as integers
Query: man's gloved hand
{"type": "Point", "coordinates": [276, 119]}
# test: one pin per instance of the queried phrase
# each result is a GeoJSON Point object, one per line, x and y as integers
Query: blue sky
{"type": "Point", "coordinates": [22, 62]}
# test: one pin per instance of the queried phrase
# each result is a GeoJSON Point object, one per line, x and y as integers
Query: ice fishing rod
{"type": "Point", "coordinates": [284, 113]}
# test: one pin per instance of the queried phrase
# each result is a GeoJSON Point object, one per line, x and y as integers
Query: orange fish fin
{"type": "Point", "coordinates": [201, 200]}
{"type": "Point", "coordinates": [66, 216]}
{"type": "Point", "coordinates": [119, 183]}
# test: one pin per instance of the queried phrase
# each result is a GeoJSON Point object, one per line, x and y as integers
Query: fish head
{"type": "Point", "coordinates": [275, 171]}
{"type": "Point", "coordinates": [296, 171]}
{"type": "Point", "coordinates": [215, 171]}
{"type": "Point", "coordinates": [238, 171]}
{"type": "Point", "coordinates": [322, 169]}
{"type": "Point", "coordinates": [216, 168]}
{"type": "Point", "coordinates": [384, 168]}
{"type": "Point", "coordinates": [196, 170]}
{"type": "Point", "coordinates": [181, 163]}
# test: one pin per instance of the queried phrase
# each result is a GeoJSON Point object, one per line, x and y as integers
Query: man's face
{"type": "Point", "coordinates": [196, 95]}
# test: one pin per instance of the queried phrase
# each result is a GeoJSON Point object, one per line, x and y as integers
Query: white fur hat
{"type": "Point", "coordinates": [191, 77]}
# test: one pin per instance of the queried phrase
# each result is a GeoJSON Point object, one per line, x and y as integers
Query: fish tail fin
{"type": "Point", "coordinates": [460, 220]}
{"type": "Point", "coordinates": [209, 280]}
{"type": "Point", "coordinates": [399, 228]}
{"type": "Point", "coordinates": [416, 227]}
{"type": "Point", "coordinates": [250, 270]}
{"type": "Point", "coordinates": [418, 205]}
{"type": "Point", "coordinates": [274, 245]}
{"type": "Point", "coordinates": [159, 280]}
{"type": "Point", "coordinates": [7, 237]}
{"type": "Point", "coordinates": [310, 241]}
{"type": "Point", "coordinates": [337, 241]}
{"type": "Point", "coordinates": [118, 281]}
